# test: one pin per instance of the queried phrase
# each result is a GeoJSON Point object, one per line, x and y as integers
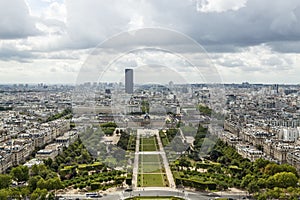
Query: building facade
{"type": "Point", "coordinates": [129, 81]}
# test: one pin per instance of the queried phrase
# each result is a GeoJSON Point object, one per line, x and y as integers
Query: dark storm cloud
{"type": "Point", "coordinates": [9, 53]}
{"type": "Point", "coordinates": [285, 46]}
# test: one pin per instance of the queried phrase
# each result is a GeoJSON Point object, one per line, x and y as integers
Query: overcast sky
{"type": "Point", "coordinates": [49, 41]}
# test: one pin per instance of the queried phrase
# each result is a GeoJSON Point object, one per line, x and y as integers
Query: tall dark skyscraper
{"type": "Point", "coordinates": [129, 81]}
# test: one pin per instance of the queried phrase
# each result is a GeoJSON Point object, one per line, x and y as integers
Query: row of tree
{"type": "Point", "coordinates": [225, 167]}
{"type": "Point", "coordinates": [64, 113]}
{"type": "Point", "coordinates": [124, 139]}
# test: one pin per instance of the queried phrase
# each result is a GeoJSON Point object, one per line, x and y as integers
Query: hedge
{"type": "Point", "coordinates": [196, 184]}
{"type": "Point", "coordinates": [95, 185]}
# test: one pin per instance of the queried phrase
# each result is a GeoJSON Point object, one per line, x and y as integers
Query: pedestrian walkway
{"type": "Point", "coordinates": [136, 162]}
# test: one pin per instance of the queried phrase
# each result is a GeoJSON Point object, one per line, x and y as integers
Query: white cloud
{"type": "Point", "coordinates": [247, 39]}
{"type": "Point", "coordinates": [219, 5]}
{"type": "Point", "coordinates": [56, 11]}
{"type": "Point", "coordinates": [258, 64]}
{"type": "Point", "coordinates": [15, 20]}
{"type": "Point", "coordinates": [136, 22]}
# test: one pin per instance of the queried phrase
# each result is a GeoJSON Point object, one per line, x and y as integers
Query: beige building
{"type": "Point", "coordinates": [249, 152]}
{"type": "Point", "coordinates": [281, 150]}
{"type": "Point", "coordinates": [5, 161]}
{"type": "Point", "coordinates": [293, 158]}
{"type": "Point", "coordinates": [50, 151]}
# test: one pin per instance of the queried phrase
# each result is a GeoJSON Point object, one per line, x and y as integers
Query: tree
{"type": "Point", "coordinates": [204, 110]}
{"type": "Point", "coordinates": [119, 180]}
{"type": "Point", "coordinates": [274, 168]}
{"type": "Point", "coordinates": [210, 170]}
{"type": "Point", "coordinates": [5, 181]}
{"type": "Point", "coordinates": [41, 170]}
{"type": "Point", "coordinates": [274, 193]}
{"type": "Point", "coordinates": [252, 187]}
{"type": "Point", "coordinates": [86, 157]}
{"type": "Point", "coordinates": [261, 163]}
{"type": "Point", "coordinates": [217, 168]}
{"type": "Point", "coordinates": [54, 184]}
{"type": "Point", "coordinates": [261, 182]}
{"type": "Point", "coordinates": [261, 196]}
{"type": "Point", "coordinates": [184, 162]}
{"type": "Point", "coordinates": [20, 173]}
{"type": "Point", "coordinates": [235, 162]}
{"type": "Point", "coordinates": [48, 162]}
{"type": "Point", "coordinates": [123, 141]}
{"type": "Point", "coordinates": [34, 170]}
{"type": "Point", "coordinates": [4, 194]}
{"type": "Point", "coordinates": [19, 193]}
{"type": "Point", "coordinates": [54, 166]}
{"type": "Point", "coordinates": [145, 107]}
{"type": "Point", "coordinates": [32, 182]}
{"type": "Point", "coordinates": [51, 174]}
{"type": "Point", "coordinates": [51, 196]}
{"type": "Point", "coordinates": [215, 154]}
{"type": "Point", "coordinates": [50, 184]}
{"type": "Point", "coordinates": [42, 184]}
{"type": "Point", "coordinates": [285, 179]}
{"type": "Point", "coordinates": [39, 194]}
{"type": "Point", "coordinates": [109, 124]}
{"type": "Point", "coordinates": [246, 180]}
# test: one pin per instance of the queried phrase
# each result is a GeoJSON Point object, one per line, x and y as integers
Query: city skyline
{"type": "Point", "coordinates": [253, 41]}
{"type": "Point", "coordinates": [139, 141]}
{"type": "Point", "coordinates": [161, 99]}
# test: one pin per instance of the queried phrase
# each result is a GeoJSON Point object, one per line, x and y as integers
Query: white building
{"type": "Point", "coordinates": [289, 134]}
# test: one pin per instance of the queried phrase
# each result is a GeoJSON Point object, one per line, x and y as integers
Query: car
{"type": "Point", "coordinates": [213, 194]}
{"type": "Point", "coordinates": [128, 190]}
{"type": "Point", "coordinates": [93, 195]}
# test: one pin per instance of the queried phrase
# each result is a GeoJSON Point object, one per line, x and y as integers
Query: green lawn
{"type": "Point", "coordinates": [152, 180]}
{"type": "Point", "coordinates": [150, 164]}
{"type": "Point", "coordinates": [152, 158]}
{"type": "Point", "coordinates": [151, 171]}
{"type": "Point", "coordinates": [154, 198]}
{"type": "Point", "coordinates": [165, 141]}
{"type": "Point", "coordinates": [148, 144]}
{"type": "Point", "coordinates": [150, 168]}
{"type": "Point", "coordinates": [148, 148]}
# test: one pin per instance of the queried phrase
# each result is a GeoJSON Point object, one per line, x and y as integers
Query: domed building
{"type": "Point", "coordinates": [146, 121]}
